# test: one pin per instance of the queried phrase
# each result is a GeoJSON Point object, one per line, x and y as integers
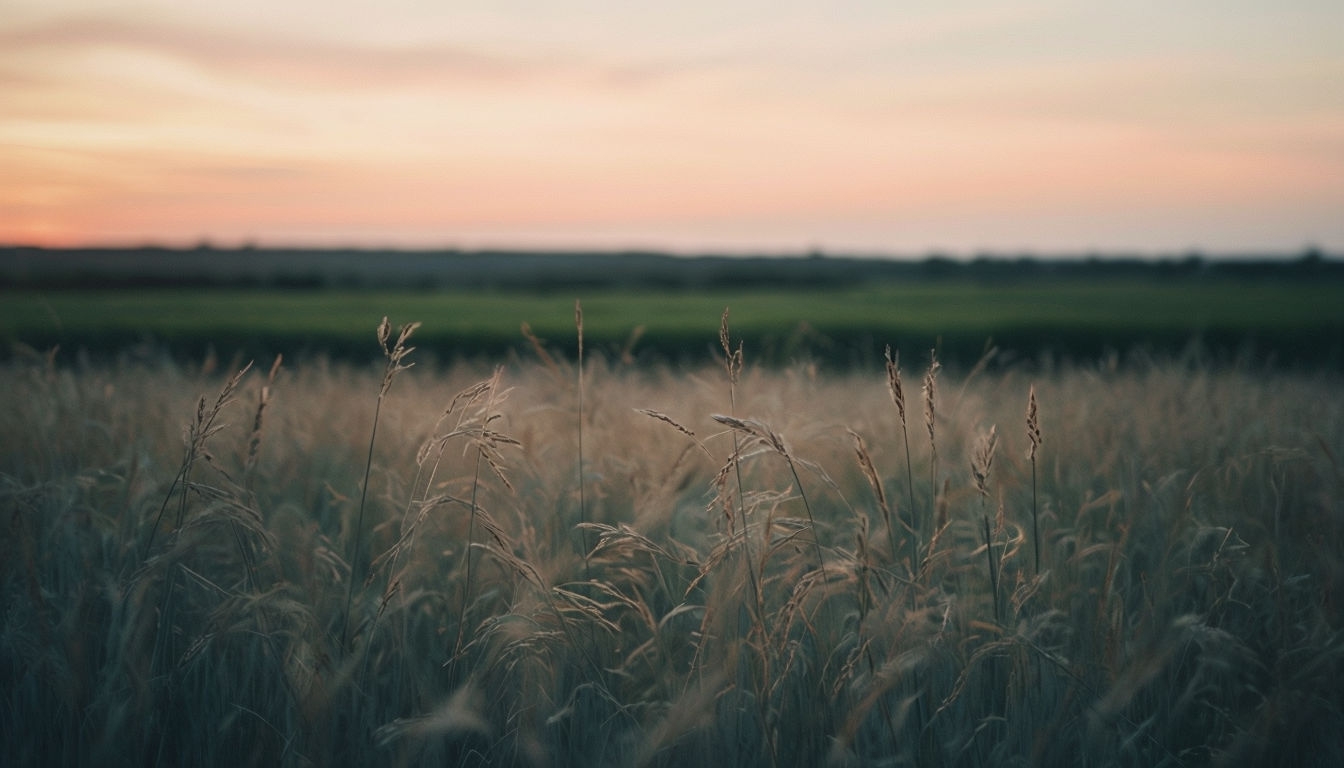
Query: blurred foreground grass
{"type": "Point", "coordinates": [536, 567]}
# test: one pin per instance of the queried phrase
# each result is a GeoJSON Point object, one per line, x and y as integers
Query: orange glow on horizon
{"type": "Point", "coordinates": [121, 130]}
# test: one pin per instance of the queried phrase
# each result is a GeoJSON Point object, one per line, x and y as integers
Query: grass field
{"type": "Point", "coordinates": [1288, 320]}
{"type": "Point", "coordinates": [572, 562]}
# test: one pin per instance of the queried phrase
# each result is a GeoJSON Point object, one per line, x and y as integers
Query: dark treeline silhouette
{"type": "Point", "coordinates": [293, 268]}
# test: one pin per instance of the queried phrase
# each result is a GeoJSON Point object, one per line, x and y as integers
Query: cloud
{"type": "Point", "coordinates": [303, 120]}
{"type": "Point", "coordinates": [307, 62]}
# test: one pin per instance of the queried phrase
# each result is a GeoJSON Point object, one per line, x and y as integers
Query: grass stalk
{"type": "Point", "coordinates": [775, 442]}
{"type": "Point", "coordinates": [981, 461]}
{"type": "Point", "coordinates": [897, 393]}
{"type": "Point", "coordinates": [1034, 439]}
{"type": "Point", "coordinates": [394, 353]}
{"type": "Point", "coordinates": [732, 361]}
{"type": "Point", "coordinates": [993, 570]}
{"type": "Point", "coordinates": [487, 442]}
{"type": "Point", "coordinates": [930, 392]}
{"type": "Point", "coordinates": [204, 426]}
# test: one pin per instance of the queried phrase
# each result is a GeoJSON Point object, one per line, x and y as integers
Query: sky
{"type": "Point", "coordinates": [848, 126]}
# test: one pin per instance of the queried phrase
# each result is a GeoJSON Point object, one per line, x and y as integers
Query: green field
{"type": "Point", "coordinates": [1287, 320]}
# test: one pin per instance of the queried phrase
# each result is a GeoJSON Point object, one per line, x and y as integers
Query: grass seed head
{"type": "Point", "coordinates": [578, 324]}
{"type": "Point", "coordinates": [1033, 425]}
{"type": "Point", "coordinates": [983, 459]}
{"type": "Point", "coordinates": [732, 358]}
{"type": "Point", "coordinates": [384, 332]}
{"type": "Point", "coordinates": [930, 394]}
{"type": "Point", "coordinates": [870, 473]}
{"type": "Point", "coordinates": [894, 382]}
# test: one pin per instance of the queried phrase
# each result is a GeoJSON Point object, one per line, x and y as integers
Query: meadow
{"type": "Point", "coordinates": [573, 560]}
{"type": "Point", "coordinates": [1293, 321]}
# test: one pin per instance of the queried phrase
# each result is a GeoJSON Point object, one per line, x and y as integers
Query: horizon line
{"type": "Point", "coordinates": [1307, 251]}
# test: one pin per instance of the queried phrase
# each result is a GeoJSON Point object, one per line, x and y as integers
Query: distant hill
{"type": "Point", "coordinates": [32, 267]}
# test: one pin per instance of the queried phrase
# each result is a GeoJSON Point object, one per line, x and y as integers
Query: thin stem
{"type": "Point", "coordinates": [359, 525]}
{"type": "Point", "coordinates": [816, 535]}
{"type": "Point", "coordinates": [471, 539]}
{"type": "Point", "coordinates": [742, 512]}
{"type": "Point", "coordinates": [993, 569]}
{"type": "Point", "coordinates": [914, 520]}
{"type": "Point", "coordinates": [1035, 523]}
{"type": "Point", "coordinates": [395, 353]}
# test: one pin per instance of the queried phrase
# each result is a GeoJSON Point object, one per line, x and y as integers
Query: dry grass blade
{"type": "Point", "coordinates": [628, 349]}
{"type": "Point", "coordinates": [772, 439]}
{"type": "Point", "coordinates": [516, 564]}
{"type": "Point", "coordinates": [663, 417]}
{"type": "Point", "coordinates": [983, 459]}
{"type": "Point", "coordinates": [897, 392]}
{"type": "Point", "coordinates": [263, 400]}
{"type": "Point", "coordinates": [539, 349]}
{"type": "Point", "coordinates": [479, 410]}
{"type": "Point", "coordinates": [1033, 424]}
{"type": "Point", "coordinates": [395, 354]}
{"type": "Point", "coordinates": [732, 358]}
{"type": "Point", "coordinates": [756, 429]}
{"type": "Point", "coordinates": [870, 474]}
{"type": "Point", "coordinates": [875, 483]}
{"type": "Point", "coordinates": [204, 426]}
{"type": "Point", "coordinates": [930, 390]}
{"type": "Point", "coordinates": [894, 382]}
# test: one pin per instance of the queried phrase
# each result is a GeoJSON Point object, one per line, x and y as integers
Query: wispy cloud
{"type": "Point", "coordinates": [730, 120]}
{"type": "Point", "coordinates": [294, 59]}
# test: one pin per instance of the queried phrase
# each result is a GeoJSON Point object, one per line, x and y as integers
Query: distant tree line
{"type": "Point", "coordinates": [543, 271]}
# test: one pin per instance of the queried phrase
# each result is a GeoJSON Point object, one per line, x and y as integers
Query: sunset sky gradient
{"type": "Point", "coordinates": [733, 125]}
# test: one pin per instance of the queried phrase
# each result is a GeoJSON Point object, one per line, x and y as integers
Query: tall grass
{"type": "Point", "coordinates": [1158, 584]}
{"type": "Point", "coordinates": [395, 354]}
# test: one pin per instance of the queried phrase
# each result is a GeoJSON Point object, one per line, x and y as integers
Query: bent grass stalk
{"type": "Point", "coordinates": [775, 442]}
{"type": "Point", "coordinates": [487, 442]}
{"type": "Point", "coordinates": [201, 429]}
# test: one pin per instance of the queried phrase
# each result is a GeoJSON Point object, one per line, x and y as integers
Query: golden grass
{"type": "Point", "coordinates": [740, 598]}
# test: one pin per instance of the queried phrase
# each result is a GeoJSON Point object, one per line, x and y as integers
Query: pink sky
{"type": "Point", "coordinates": [742, 126]}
